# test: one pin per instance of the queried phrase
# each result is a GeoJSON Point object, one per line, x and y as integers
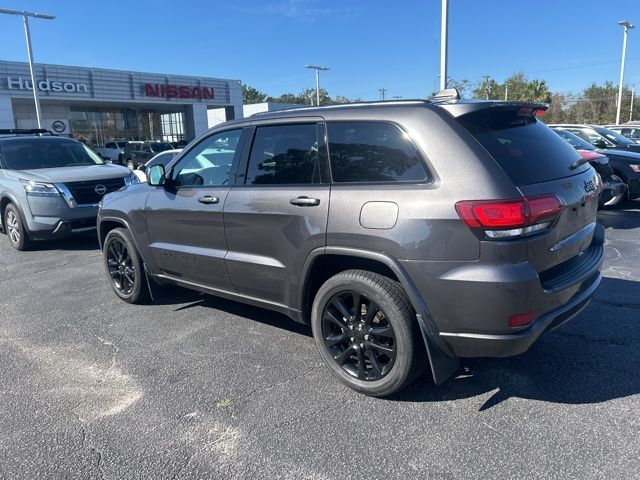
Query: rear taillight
{"type": "Point", "coordinates": [590, 156]}
{"type": "Point", "coordinates": [501, 219]}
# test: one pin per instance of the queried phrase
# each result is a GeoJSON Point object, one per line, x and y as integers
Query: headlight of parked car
{"type": "Point", "coordinates": [39, 189]}
{"type": "Point", "coordinates": [131, 180]}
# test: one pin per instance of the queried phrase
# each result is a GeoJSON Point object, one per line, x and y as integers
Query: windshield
{"type": "Point", "coordinates": [615, 137]}
{"type": "Point", "coordinates": [160, 147]}
{"type": "Point", "coordinates": [33, 154]}
{"type": "Point", "coordinates": [574, 140]}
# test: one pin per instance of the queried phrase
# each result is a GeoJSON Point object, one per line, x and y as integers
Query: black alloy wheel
{"type": "Point", "coordinates": [357, 333]}
{"type": "Point", "coordinates": [366, 332]}
{"type": "Point", "coordinates": [120, 264]}
{"type": "Point", "coordinates": [124, 267]}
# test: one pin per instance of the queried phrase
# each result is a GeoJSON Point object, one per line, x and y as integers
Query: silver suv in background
{"type": "Point", "coordinates": [50, 186]}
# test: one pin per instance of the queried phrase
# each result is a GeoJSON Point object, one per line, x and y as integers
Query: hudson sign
{"type": "Point", "coordinates": [176, 91]}
{"type": "Point", "coordinates": [19, 83]}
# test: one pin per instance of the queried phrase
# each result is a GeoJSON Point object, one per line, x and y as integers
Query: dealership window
{"type": "Point", "coordinates": [96, 126]}
{"type": "Point", "coordinates": [284, 154]}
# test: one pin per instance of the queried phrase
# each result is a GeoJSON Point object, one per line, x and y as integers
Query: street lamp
{"type": "Point", "coordinates": [444, 23]}
{"type": "Point", "coordinates": [25, 16]}
{"type": "Point", "coordinates": [627, 26]}
{"type": "Point", "coordinates": [318, 70]}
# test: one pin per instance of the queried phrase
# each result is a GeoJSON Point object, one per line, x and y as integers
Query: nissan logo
{"type": "Point", "coordinates": [100, 189]}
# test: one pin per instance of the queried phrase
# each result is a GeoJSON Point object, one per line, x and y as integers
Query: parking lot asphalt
{"type": "Point", "coordinates": [199, 387]}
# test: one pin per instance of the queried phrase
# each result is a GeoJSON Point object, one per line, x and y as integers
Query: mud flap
{"type": "Point", "coordinates": [442, 366]}
{"type": "Point", "coordinates": [152, 284]}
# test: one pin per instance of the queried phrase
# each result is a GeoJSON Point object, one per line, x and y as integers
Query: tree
{"type": "Point", "coordinates": [462, 85]}
{"type": "Point", "coordinates": [251, 95]}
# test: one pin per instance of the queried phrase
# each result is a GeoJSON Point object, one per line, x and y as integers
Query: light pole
{"type": "Point", "coordinates": [627, 26]}
{"type": "Point", "coordinates": [318, 70]}
{"type": "Point", "coordinates": [443, 44]}
{"type": "Point", "coordinates": [25, 16]}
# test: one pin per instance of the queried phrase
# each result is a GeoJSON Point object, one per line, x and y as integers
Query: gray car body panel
{"type": "Point", "coordinates": [461, 287]}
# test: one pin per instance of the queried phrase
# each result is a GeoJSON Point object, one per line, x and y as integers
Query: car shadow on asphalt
{"type": "Point", "coordinates": [592, 359]}
{"type": "Point", "coordinates": [620, 219]}
{"type": "Point", "coordinates": [184, 299]}
{"type": "Point", "coordinates": [84, 242]}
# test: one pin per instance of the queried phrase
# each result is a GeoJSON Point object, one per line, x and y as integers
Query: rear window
{"type": "Point", "coordinates": [526, 149]}
{"type": "Point", "coordinates": [373, 152]}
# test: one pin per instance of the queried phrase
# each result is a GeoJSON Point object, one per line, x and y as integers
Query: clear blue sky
{"type": "Point", "coordinates": [367, 44]}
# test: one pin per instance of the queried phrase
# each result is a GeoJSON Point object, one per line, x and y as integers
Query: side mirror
{"type": "Point", "coordinates": [156, 176]}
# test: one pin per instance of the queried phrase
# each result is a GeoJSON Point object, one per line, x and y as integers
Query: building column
{"type": "Point", "coordinates": [6, 113]}
{"type": "Point", "coordinates": [195, 120]}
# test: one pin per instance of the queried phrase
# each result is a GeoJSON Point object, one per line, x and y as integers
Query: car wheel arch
{"type": "Point", "coordinates": [443, 362]}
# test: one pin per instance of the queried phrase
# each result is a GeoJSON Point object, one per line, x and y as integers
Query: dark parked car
{"type": "Point", "coordinates": [632, 132]}
{"type": "Point", "coordinates": [625, 163]}
{"type": "Point", "coordinates": [601, 137]}
{"type": "Point", "coordinates": [139, 153]}
{"type": "Point", "coordinates": [50, 186]}
{"type": "Point", "coordinates": [614, 189]}
{"type": "Point", "coordinates": [407, 233]}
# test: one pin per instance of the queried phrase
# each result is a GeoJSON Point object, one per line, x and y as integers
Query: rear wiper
{"type": "Point", "coordinates": [577, 163]}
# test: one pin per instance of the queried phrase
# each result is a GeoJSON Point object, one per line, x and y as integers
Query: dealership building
{"type": "Point", "coordinates": [97, 105]}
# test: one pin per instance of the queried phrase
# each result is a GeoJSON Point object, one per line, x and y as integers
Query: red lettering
{"type": "Point", "coordinates": [150, 90]}
{"type": "Point", "coordinates": [207, 92]}
{"type": "Point", "coordinates": [195, 92]}
{"type": "Point", "coordinates": [172, 91]}
{"type": "Point", "coordinates": [184, 91]}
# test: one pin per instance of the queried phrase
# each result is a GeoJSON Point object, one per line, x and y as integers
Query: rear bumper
{"type": "Point", "coordinates": [470, 304]}
{"type": "Point", "coordinates": [479, 345]}
{"type": "Point", "coordinates": [634, 187]}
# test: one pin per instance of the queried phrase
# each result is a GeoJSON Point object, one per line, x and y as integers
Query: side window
{"type": "Point", "coordinates": [110, 145]}
{"type": "Point", "coordinates": [209, 162]}
{"type": "Point", "coordinates": [372, 152]}
{"type": "Point", "coordinates": [284, 154]}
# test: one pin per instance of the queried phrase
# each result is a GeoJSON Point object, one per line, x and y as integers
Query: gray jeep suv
{"type": "Point", "coordinates": [408, 234]}
{"type": "Point", "coordinates": [50, 186]}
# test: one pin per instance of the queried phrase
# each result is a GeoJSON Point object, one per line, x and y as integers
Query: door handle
{"type": "Point", "coordinates": [305, 202]}
{"type": "Point", "coordinates": [208, 200]}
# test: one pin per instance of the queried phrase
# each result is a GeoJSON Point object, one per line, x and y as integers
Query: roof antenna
{"type": "Point", "coordinates": [447, 94]}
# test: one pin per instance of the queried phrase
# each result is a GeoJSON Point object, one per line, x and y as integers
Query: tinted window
{"type": "Point", "coordinates": [160, 147]}
{"type": "Point", "coordinates": [209, 162]}
{"type": "Point", "coordinates": [110, 145]}
{"type": "Point", "coordinates": [284, 154]}
{"type": "Point", "coordinates": [526, 149]}
{"type": "Point", "coordinates": [574, 140]}
{"type": "Point", "coordinates": [372, 152]}
{"type": "Point", "coordinates": [615, 137]}
{"type": "Point", "coordinates": [35, 154]}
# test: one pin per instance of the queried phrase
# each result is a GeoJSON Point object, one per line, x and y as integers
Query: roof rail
{"type": "Point", "coordinates": [340, 105]}
{"type": "Point", "coordinates": [26, 131]}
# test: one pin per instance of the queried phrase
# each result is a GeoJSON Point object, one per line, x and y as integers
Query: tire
{"type": "Point", "coordinates": [16, 232]}
{"type": "Point", "coordinates": [124, 267]}
{"type": "Point", "coordinates": [349, 345]}
{"type": "Point", "coordinates": [618, 199]}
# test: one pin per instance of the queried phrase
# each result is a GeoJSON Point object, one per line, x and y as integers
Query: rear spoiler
{"type": "Point", "coordinates": [26, 131]}
{"type": "Point", "coordinates": [458, 109]}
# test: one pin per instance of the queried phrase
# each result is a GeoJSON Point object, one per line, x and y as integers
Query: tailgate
{"type": "Point", "coordinates": [540, 163]}
{"type": "Point", "coordinates": [573, 230]}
